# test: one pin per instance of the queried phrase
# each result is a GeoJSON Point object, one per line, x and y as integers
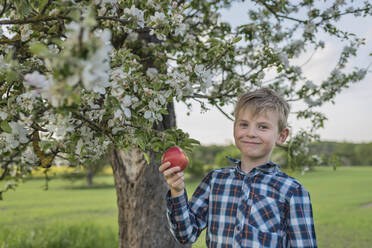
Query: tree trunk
{"type": "Point", "coordinates": [141, 191]}
{"type": "Point", "coordinates": [90, 175]}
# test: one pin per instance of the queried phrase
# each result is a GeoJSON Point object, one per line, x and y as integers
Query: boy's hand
{"type": "Point", "coordinates": [174, 178]}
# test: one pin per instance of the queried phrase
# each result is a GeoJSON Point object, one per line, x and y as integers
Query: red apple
{"type": "Point", "coordinates": [176, 156]}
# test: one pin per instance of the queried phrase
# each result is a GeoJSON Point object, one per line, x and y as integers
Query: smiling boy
{"type": "Point", "coordinates": [252, 204]}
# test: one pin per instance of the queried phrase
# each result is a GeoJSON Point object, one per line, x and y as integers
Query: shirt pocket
{"type": "Point", "coordinates": [267, 214]}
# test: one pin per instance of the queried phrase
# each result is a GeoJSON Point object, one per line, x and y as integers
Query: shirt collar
{"type": "Point", "coordinates": [269, 167]}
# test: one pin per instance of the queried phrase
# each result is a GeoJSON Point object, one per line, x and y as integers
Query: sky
{"type": "Point", "coordinates": [349, 119]}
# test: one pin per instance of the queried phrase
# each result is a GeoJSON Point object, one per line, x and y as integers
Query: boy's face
{"type": "Point", "coordinates": [256, 135]}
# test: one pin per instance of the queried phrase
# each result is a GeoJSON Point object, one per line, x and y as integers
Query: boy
{"type": "Point", "coordinates": [252, 204]}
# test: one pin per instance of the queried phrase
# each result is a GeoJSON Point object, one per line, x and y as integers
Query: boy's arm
{"type": "Point", "coordinates": [188, 219]}
{"type": "Point", "coordinates": [300, 223]}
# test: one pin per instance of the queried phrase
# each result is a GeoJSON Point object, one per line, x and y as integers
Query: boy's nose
{"type": "Point", "coordinates": [251, 132]}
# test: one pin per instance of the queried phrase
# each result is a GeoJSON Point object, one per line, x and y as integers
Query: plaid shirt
{"type": "Point", "coordinates": [262, 208]}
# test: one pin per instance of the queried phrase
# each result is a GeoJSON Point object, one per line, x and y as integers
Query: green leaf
{"type": "Point", "coordinates": [42, 4]}
{"type": "Point", "coordinates": [39, 49]}
{"type": "Point", "coordinates": [5, 126]}
{"type": "Point", "coordinates": [22, 7]}
{"type": "Point", "coordinates": [163, 111]}
{"type": "Point", "coordinates": [193, 141]}
{"type": "Point", "coordinates": [236, 39]}
{"type": "Point", "coordinates": [11, 76]}
{"type": "Point", "coordinates": [74, 15]}
{"type": "Point", "coordinates": [147, 157]}
{"type": "Point", "coordinates": [141, 145]}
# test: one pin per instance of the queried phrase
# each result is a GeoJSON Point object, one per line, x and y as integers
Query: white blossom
{"type": "Point", "coordinates": [349, 49]}
{"type": "Point", "coordinates": [74, 33]}
{"type": "Point", "coordinates": [337, 74]}
{"type": "Point", "coordinates": [110, 123]}
{"type": "Point", "coordinates": [60, 127]}
{"type": "Point", "coordinates": [205, 75]}
{"type": "Point", "coordinates": [159, 35]}
{"type": "Point", "coordinates": [311, 102]}
{"type": "Point", "coordinates": [92, 104]}
{"type": "Point", "coordinates": [118, 113]}
{"type": "Point", "coordinates": [284, 59]}
{"type": "Point", "coordinates": [36, 80]}
{"type": "Point", "coordinates": [79, 146]}
{"type": "Point", "coordinates": [29, 156]}
{"type": "Point", "coordinates": [150, 3]}
{"type": "Point", "coordinates": [105, 1]}
{"type": "Point", "coordinates": [147, 114]}
{"type": "Point", "coordinates": [95, 75]}
{"type": "Point", "coordinates": [127, 113]}
{"type": "Point", "coordinates": [115, 130]}
{"type": "Point", "coordinates": [72, 80]}
{"type": "Point", "coordinates": [310, 27]}
{"type": "Point", "coordinates": [152, 72]}
{"type": "Point", "coordinates": [162, 99]}
{"type": "Point", "coordinates": [3, 115]}
{"type": "Point", "coordinates": [310, 85]}
{"type": "Point", "coordinates": [136, 14]}
{"type": "Point", "coordinates": [132, 36]}
{"type": "Point", "coordinates": [181, 29]}
{"type": "Point", "coordinates": [18, 135]}
{"type": "Point", "coordinates": [127, 101]}
{"type": "Point", "coordinates": [159, 18]}
{"type": "Point", "coordinates": [26, 32]}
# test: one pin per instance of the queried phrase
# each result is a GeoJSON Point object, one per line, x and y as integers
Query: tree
{"type": "Point", "coordinates": [88, 171]}
{"type": "Point", "coordinates": [82, 77]}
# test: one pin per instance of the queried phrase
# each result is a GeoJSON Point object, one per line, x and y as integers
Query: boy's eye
{"type": "Point", "coordinates": [243, 125]}
{"type": "Point", "coordinates": [263, 127]}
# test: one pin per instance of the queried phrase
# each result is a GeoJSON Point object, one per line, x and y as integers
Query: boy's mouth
{"type": "Point", "coordinates": [250, 142]}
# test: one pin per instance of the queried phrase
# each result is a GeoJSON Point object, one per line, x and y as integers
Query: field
{"type": "Point", "coordinates": [69, 215]}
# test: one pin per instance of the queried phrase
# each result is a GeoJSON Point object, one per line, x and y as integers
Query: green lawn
{"type": "Point", "coordinates": [78, 217]}
{"type": "Point", "coordinates": [66, 215]}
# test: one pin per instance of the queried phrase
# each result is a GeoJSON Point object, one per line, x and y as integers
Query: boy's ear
{"type": "Point", "coordinates": [282, 136]}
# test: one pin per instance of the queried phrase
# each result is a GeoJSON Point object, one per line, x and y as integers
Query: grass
{"type": "Point", "coordinates": [66, 215]}
{"type": "Point", "coordinates": [57, 235]}
{"type": "Point", "coordinates": [69, 215]}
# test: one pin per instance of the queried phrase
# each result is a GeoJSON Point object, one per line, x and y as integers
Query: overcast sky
{"type": "Point", "coordinates": [349, 119]}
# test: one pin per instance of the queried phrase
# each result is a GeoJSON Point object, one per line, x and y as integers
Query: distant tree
{"type": "Point", "coordinates": [229, 151]}
{"type": "Point", "coordinates": [364, 153]}
{"type": "Point", "coordinates": [203, 159]}
{"type": "Point", "coordinates": [79, 78]}
{"type": "Point", "coordinates": [88, 171]}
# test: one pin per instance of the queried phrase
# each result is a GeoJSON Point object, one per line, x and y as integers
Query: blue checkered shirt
{"type": "Point", "coordinates": [262, 208]}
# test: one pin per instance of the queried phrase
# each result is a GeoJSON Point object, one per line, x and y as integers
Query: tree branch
{"type": "Point", "coordinates": [209, 97]}
{"type": "Point", "coordinates": [5, 172]}
{"type": "Point", "coordinates": [46, 7]}
{"type": "Point", "coordinates": [93, 125]}
{"type": "Point", "coordinates": [345, 13]}
{"type": "Point", "coordinates": [57, 18]}
{"type": "Point", "coordinates": [224, 113]}
{"type": "Point", "coordinates": [277, 16]}
{"type": "Point", "coordinates": [4, 8]}
{"type": "Point", "coordinates": [7, 162]}
{"type": "Point", "coordinates": [34, 20]}
{"type": "Point", "coordinates": [270, 9]}
{"type": "Point", "coordinates": [112, 18]}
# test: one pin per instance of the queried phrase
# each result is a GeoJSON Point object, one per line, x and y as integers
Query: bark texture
{"type": "Point", "coordinates": [141, 193]}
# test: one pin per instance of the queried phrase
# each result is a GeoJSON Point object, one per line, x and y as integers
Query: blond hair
{"type": "Point", "coordinates": [262, 100]}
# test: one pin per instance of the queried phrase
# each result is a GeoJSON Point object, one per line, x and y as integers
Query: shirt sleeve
{"type": "Point", "coordinates": [301, 231]}
{"type": "Point", "coordinates": [187, 219]}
